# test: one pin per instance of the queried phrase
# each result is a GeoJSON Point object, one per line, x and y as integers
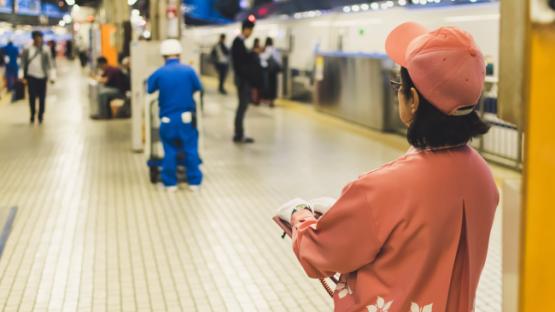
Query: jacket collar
{"type": "Point", "coordinates": [172, 61]}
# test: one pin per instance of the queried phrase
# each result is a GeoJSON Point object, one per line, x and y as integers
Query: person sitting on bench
{"type": "Point", "coordinates": [114, 85]}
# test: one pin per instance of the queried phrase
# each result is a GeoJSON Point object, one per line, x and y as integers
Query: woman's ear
{"type": "Point", "coordinates": [414, 101]}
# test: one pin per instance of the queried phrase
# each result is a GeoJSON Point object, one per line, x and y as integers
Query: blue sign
{"type": "Point", "coordinates": [52, 10]}
{"type": "Point", "coordinates": [6, 6]}
{"type": "Point", "coordinates": [27, 7]}
{"type": "Point", "coordinates": [203, 10]}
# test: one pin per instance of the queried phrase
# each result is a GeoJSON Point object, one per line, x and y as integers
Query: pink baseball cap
{"type": "Point", "coordinates": [445, 65]}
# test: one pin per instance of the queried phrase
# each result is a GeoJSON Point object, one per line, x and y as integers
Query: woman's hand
{"type": "Point", "coordinates": [286, 210]}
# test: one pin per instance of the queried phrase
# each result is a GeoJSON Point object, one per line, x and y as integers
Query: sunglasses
{"type": "Point", "coordinates": [395, 85]}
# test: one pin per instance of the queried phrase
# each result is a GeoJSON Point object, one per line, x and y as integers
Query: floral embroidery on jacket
{"type": "Point", "coordinates": [416, 308]}
{"type": "Point", "coordinates": [343, 290]}
{"type": "Point", "coordinates": [380, 306]}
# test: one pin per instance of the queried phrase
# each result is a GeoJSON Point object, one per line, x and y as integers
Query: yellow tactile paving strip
{"type": "Point", "coordinates": [92, 234]}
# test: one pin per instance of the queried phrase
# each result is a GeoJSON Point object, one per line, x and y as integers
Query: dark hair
{"type": "Point", "coordinates": [432, 128]}
{"type": "Point", "coordinates": [247, 24]}
{"type": "Point", "coordinates": [36, 34]}
{"type": "Point", "coordinates": [269, 41]}
{"type": "Point", "coordinates": [102, 60]}
{"type": "Point", "coordinates": [222, 36]}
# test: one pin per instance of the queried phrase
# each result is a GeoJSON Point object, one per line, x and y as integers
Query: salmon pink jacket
{"type": "Point", "coordinates": [411, 236]}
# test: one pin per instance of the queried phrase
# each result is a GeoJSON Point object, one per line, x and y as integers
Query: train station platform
{"type": "Point", "coordinates": [93, 234]}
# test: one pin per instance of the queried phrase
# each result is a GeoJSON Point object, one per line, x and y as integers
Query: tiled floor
{"type": "Point", "coordinates": [92, 234]}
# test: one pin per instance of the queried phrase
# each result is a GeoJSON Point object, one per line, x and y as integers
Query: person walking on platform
{"type": "Point", "coordinates": [37, 69]}
{"type": "Point", "coordinates": [413, 234]}
{"type": "Point", "coordinates": [12, 67]}
{"type": "Point", "coordinates": [257, 71]}
{"type": "Point", "coordinates": [220, 58]}
{"type": "Point", "coordinates": [270, 60]}
{"type": "Point", "coordinates": [177, 84]}
{"type": "Point", "coordinates": [244, 62]}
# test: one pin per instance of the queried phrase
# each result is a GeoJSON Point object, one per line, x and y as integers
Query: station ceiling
{"type": "Point", "coordinates": [91, 3]}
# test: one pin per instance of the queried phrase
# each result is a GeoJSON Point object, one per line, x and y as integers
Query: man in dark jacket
{"type": "Point", "coordinates": [243, 63]}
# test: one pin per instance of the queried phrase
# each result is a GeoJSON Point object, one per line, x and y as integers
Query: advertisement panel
{"type": "Point", "coordinates": [6, 6]}
{"type": "Point", "coordinates": [27, 7]}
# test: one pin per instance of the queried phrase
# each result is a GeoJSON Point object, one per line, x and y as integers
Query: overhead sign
{"type": "Point", "coordinates": [27, 7]}
{"type": "Point", "coordinates": [6, 6]}
{"type": "Point", "coordinates": [52, 10]}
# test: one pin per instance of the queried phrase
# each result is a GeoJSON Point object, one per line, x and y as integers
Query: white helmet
{"type": "Point", "coordinates": [170, 47]}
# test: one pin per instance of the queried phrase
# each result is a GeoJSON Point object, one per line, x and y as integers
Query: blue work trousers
{"type": "Point", "coordinates": [180, 138]}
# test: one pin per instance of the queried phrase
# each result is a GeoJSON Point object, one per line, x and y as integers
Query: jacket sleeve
{"type": "Point", "coordinates": [152, 83]}
{"type": "Point", "coordinates": [197, 85]}
{"type": "Point", "coordinates": [344, 238]}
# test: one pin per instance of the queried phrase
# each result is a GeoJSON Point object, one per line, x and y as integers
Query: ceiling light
{"type": "Point", "coordinates": [355, 8]}
{"type": "Point", "coordinates": [70, 2]}
{"type": "Point", "coordinates": [346, 9]}
{"type": "Point", "coordinates": [131, 2]}
{"type": "Point", "coordinates": [374, 6]}
{"type": "Point", "coordinates": [402, 2]}
{"type": "Point", "coordinates": [365, 7]}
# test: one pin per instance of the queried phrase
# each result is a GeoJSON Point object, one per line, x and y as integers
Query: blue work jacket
{"type": "Point", "coordinates": [177, 83]}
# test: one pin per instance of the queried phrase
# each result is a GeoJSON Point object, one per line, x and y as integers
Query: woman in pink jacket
{"type": "Point", "coordinates": [412, 236]}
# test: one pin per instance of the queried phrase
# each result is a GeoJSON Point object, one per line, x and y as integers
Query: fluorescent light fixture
{"type": "Point", "coordinates": [473, 18]}
{"type": "Point", "coordinates": [402, 2]}
{"type": "Point", "coordinates": [244, 4]}
{"type": "Point", "coordinates": [355, 8]}
{"type": "Point", "coordinates": [374, 6]}
{"type": "Point", "coordinates": [135, 12]}
{"type": "Point", "coordinates": [347, 9]}
{"type": "Point", "coordinates": [365, 7]}
{"type": "Point", "coordinates": [131, 2]}
{"type": "Point", "coordinates": [372, 21]}
{"type": "Point", "coordinates": [70, 2]}
{"type": "Point", "coordinates": [62, 23]}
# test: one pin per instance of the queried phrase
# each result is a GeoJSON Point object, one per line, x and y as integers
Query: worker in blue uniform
{"type": "Point", "coordinates": [12, 67]}
{"type": "Point", "coordinates": [177, 84]}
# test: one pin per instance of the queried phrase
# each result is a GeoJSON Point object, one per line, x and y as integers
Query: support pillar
{"type": "Point", "coordinates": [537, 276]}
